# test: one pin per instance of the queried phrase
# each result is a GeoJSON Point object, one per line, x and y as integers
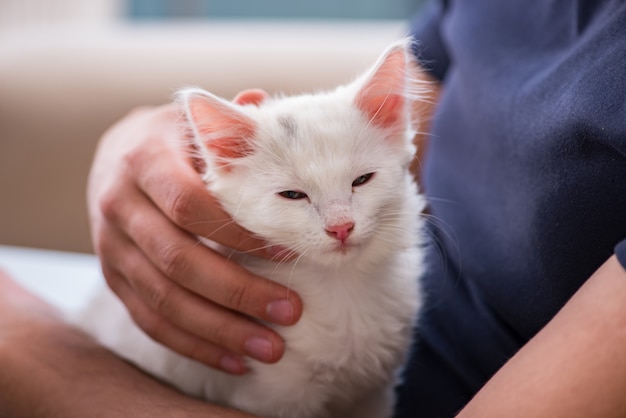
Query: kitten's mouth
{"type": "Point", "coordinates": [344, 247]}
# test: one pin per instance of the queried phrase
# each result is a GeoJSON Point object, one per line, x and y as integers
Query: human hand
{"type": "Point", "coordinates": [146, 207]}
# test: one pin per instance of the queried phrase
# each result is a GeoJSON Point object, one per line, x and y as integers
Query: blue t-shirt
{"type": "Point", "coordinates": [526, 178]}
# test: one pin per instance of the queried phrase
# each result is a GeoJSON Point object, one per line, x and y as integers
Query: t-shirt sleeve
{"type": "Point", "coordinates": [620, 252]}
{"type": "Point", "coordinates": [429, 46]}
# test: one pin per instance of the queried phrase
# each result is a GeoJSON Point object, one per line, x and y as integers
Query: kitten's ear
{"type": "Point", "coordinates": [383, 96]}
{"type": "Point", "coordinates": [251, 96]}
{"type": "Point", "coordinates": [219, 127]}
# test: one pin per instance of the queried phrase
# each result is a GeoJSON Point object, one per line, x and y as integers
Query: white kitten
{"type": "Point", "coordinates": [325, 176]}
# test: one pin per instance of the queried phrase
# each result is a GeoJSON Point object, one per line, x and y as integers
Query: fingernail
{"type": "Point", "coordinates": [232, 364]}
{"type": "Point", "coordinates": [260, 349]}
{"type": "Point", "coordinates": [280, 312]}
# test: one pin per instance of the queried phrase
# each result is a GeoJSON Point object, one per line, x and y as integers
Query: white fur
{"type": "Point", "coordinates": [360, 303]}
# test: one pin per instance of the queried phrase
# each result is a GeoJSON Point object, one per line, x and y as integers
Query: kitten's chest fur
{"type": "Point", "coordinates": [349, 309]}
{"type": "Point", "coordinates": [352, 337]}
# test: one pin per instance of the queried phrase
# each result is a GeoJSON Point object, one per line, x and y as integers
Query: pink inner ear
{"type": "Point", "coordinates": [382, 99]}
{"type": "Point", "coordinates": [251, 96]}
{"type": "Point", "coordinates": [221, 129]}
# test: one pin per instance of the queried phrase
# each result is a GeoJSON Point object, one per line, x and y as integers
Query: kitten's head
{"type": "Point", "coordinates": [322, 175]}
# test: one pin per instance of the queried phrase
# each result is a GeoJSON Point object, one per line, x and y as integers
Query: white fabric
{"type": "Point", "coordinates": [64, 279]}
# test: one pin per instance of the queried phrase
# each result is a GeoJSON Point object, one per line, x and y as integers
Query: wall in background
{"type": "Point", "coordinates": [340, 9]}
{"type": "Point", "coordinates": [24, 13]}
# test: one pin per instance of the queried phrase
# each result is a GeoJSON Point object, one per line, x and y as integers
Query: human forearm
{"type": "Point", "coordinates": [51, 369]}
{"type": "Point", "coordinates": [575, 367]}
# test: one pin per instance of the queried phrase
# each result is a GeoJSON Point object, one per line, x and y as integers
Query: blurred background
{"type": "Point", "coordinates": [19, 12]}
{"type": "Point", "coordinates": [333, 9]}
{"type": "Point", "coordinates": [71, 68]}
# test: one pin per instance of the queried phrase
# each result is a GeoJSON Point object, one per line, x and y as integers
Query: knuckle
{"type": "Point", "coordinates": [133, 157]}
{"type": "Point", "coordinates": [197, 351]}
{"type": "Point", "coordinates": [110, 206]}
{"type": "Point", "coordinates": [135, 160]}
{"type": "Point", "coordinates": [237, 298]}
{"type": "Point", "coordinates": [159, 295]}
{"type": "Point", "coordinates": [148, 322]}
{"type": "Point", "coordinates": [173, 260]}
{"type": "Point", "coordinates": [181, 206]}
{"type": "Point", "coordinates": [221, 334]}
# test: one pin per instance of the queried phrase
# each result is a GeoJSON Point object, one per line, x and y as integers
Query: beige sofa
{"type": "Point", "coordinates": [61, 87]}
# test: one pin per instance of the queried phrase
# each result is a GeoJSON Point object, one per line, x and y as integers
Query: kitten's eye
{"type": "Point", "coordinates": [293, 195]}
{"type": "Point", "coordinates": [362, 180]}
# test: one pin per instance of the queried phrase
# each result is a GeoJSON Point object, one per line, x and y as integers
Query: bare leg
{"type": "Point", "coordinates": [51, 369]}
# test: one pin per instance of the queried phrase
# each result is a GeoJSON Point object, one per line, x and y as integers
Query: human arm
{"type": "Point", "coordinates": [146, 206]}
{"type": "Point", "coordinates": [51, 369]}
{"type": "Point", "coordinates": [574, 367]}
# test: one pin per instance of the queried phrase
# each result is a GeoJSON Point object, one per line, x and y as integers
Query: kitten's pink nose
{"type": "Point", "coordinates": [340, 232]}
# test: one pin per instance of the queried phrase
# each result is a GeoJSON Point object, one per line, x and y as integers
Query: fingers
{"type": "Point", "coordinates": [185, 200]}
{"type": "Point", "coordinates": [147, 205]}
{"type": "Point", "coordinates": [179, 256]}
{"type": "Point", "coordinates": [171, 312]}
{"type": "Point", "coordinates": [178, 339]}
{"type": "Point", "coordinates": [183, 321]}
